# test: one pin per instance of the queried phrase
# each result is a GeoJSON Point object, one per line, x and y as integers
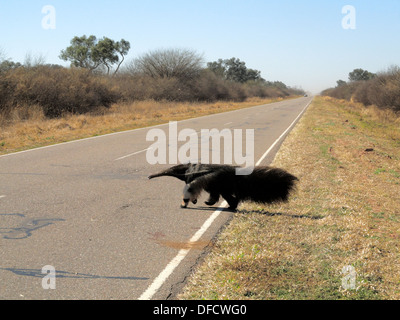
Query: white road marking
{"type": "Point", "coordinates": [173, 264]}
{"type": "Point", "coordinates": [141, 151]}
{"type": "Point", "coordinates": [132, 154]}
{"type": "Point", "coordinates": [159, 281]}
{"type": "Point", "coordinates": [2, 197]}
{"type": "Point", "coordinates": [282, 135]}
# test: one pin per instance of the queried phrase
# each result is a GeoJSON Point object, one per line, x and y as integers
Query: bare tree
{"type": "Point", "coordinates": [2, 54]}
{"type": "Point", "coordinates": [183, 64]}
{"type": "Point", "coordinates": [34, 60]}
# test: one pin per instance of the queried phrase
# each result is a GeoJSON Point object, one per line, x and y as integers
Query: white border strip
{"type": "Point", "coordinates": [163, 276]}
{"type": "Point", "coordinates": [173, 264]}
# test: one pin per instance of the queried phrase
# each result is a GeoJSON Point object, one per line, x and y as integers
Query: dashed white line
{"type": "Point", "coordinates": [173, 264]}
{"type": "Point", "coordinates": [141, 151]}
{"type": "Point", "coordinates": [2, 197]}
{"type": "Point", "coordinates": [132, 154]}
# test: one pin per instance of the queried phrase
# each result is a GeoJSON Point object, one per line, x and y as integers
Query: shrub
{"type": "Point", "coordinates": [171, 63]}
{"type": "Point", "coordinates": [209, 87]}
{"type": "Point", "coordinates": [362, 92]}
{"type": "Point", "coordinates": [56, 90]}
{"type": "Point", "coordinates": [383, 90]}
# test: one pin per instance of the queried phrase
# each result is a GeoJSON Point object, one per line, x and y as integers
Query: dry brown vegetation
{"type": "Point", "coordinates": [383, 90]}
{"type": "Point", "coordinates": [345, 213]}
{"type": "Point", "coordinates": [59, 90]}
{"type": "Point", "coordinates": [55, 90]}
{"type": "Point", "coordinates": [27, 127]}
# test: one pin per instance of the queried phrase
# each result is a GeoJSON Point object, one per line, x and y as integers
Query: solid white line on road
{"type": "Point", "coordinates": [158, 282]}
{"type": "Point", "coordinates": [2, 197]}
{"type": "Point", "coordinates": [173, 264]}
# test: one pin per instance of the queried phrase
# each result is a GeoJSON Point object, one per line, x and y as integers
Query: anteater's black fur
{"type": "Point", "coordinates": [264, 184]}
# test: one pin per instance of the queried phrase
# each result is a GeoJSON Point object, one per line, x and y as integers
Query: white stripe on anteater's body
{"type": "Point", "coordinates": [264, 184]}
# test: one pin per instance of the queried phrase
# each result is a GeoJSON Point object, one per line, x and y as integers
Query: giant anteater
{"type": "Point", "coordinates": [263, 185]}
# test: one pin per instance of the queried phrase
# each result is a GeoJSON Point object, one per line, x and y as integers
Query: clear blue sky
{"type": "Point", "coordinates": [301, 43]}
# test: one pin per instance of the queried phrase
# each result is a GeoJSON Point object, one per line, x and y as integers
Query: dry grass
{"type": "Point", "coordinates": [345, 212]}
{"type": "Point", "coordinates": [28, 127]}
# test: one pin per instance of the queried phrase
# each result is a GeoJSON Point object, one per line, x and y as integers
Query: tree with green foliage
{"type": "Point", "coordinates": [90, 53]}
{"type": "Point", "coordinates": [122, 47]}
{"type": "Point", "coordinates": [340, 83]}
{"type": "Point", "coordinates": [361, 75]}
{"type": "Point", "coordinates": [234, 70]}
{"type": "Point", "coordinates": [82, 53]}
{"type": "Point", "coordinates": [8, 65]}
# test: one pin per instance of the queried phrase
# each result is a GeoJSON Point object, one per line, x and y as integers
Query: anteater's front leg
{"type": "Point", "coordinates": [212, 199]}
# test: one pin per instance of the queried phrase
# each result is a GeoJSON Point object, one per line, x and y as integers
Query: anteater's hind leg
{"type": "Point", "coordinates": [232, 201]}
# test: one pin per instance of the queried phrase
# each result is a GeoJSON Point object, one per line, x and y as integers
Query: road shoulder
{"type": "Point", "coordinates": [336, 238]}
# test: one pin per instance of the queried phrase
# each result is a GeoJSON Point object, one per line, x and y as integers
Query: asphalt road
{"type": "Point", "coordinates": [87, 209]}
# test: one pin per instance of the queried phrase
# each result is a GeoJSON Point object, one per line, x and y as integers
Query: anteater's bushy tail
{"type": "Point", "coordinates": [266, 185]}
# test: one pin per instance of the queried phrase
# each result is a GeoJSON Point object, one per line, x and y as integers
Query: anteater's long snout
{"type": "Point", "coordinates": [168, 173]}
{"type": "Point", "coordinates": [178, 171]}
{"type": "Point", "coordinates": [156, 175]}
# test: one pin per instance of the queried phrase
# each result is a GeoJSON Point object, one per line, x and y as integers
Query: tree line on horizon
{"type": "Point", "coordinates": [96, 78]}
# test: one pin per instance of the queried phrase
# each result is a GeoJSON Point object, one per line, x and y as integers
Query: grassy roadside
{"type": "Point", "coordinates": [346, 212]}
{"type": "Point", "coordinates": [29, 128]}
